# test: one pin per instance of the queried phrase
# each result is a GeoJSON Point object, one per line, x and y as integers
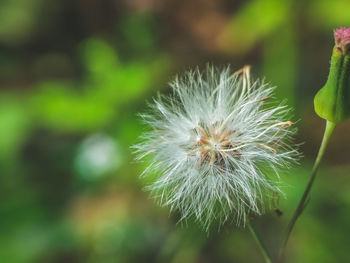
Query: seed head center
{"type": "Point", "coordinates": [214, 144]}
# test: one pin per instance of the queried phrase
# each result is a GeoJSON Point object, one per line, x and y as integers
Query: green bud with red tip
{"type": "Point", "coordinates": [332, 102]}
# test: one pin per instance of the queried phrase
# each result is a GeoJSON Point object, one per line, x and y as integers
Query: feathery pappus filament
{"type": "Point", "coordinates": [216, 144]}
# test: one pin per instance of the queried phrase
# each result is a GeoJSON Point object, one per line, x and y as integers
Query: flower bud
{"type": "Point", "coordinates": [332, 102]}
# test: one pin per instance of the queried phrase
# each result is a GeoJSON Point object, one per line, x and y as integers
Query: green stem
{"type": "Point", "coordinates": [305, 198]}
{"type": "Point", "coordinates": [259, 243]}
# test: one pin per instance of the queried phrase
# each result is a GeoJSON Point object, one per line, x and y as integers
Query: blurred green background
{"type": "Point", "coordinates": [73, 76]}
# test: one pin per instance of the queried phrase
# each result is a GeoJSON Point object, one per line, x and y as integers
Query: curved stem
{"type": "Point", "coordinates": [259, 243]}
{"type": "Point", "coordinates": [305, 198]}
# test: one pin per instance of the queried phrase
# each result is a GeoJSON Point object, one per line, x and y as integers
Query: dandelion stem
{"type": "Point", "coordinates": [259, 243]}
{"type": "Point", "coordinates": [305, 198]}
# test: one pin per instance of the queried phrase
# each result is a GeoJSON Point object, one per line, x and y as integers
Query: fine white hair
{"type": "Point", "coordinates": [215, 146]}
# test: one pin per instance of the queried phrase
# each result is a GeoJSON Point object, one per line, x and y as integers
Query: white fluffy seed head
{"type": "Point", "coordinates": [215, 146]}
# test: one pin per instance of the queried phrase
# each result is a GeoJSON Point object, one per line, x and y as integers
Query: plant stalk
{"type": "Point", "coordinates": [259, 243]}
{"type": "Point", "coordinates": [305, 198]}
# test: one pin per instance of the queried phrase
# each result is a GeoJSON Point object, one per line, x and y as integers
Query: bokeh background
{"type": "Point", "coordinates": [74, 75]}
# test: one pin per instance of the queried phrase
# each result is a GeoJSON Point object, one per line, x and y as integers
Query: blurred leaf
{"type": "Point", "coordinates": [329, 15]}
{"type": "Point", "coordinates": [280, 62]}
{"type": "Point", "coordinates": [97, 100]}
{"type": "Point", "coordinates": [14, 126]}
{"type": "Point", "coordinates": [99, 58]}
{"type": "Point", "coordinates": [254, 21]}
{"type": "Point", "coordinates": [59, 106]}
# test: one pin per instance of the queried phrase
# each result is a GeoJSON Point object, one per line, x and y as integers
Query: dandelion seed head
{"type": "Point", "coordinates": [216, 145]}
